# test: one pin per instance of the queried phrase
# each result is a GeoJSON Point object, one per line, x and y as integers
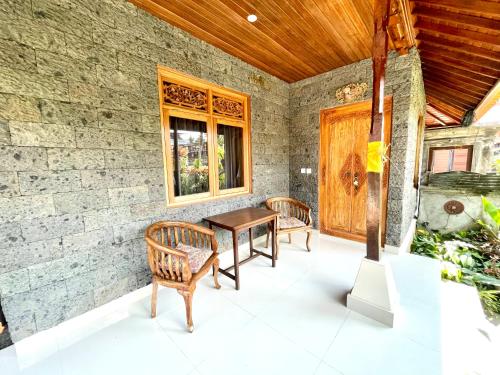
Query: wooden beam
{"type": "Point", "coordinates": [400, 26]}
{"type": "Point", "coordinates": [432, 70]}
{"type": "Point", "coordinates": [491, 99]}
{"type": "Point", "coordinates": [477, 7]}
{"type": "Point", "coordinates": [453, 90]}
{"type": "Point", "coordinates": [462, 33]}
{"type": "Point", "coordinates": [460, 55]}
{"type": "Point", "coordinates": [438, 103]}
{"type": "Point", "coordinates": [487, 25]}
{"type": "Point", "coordinates": [449, 98]}
{"type": "Point", "coordinates": [436, 118]}
{"type": "Point", "coordinates": [462, 46]}
{"type": "Point", "coordinates": [459, 108]}
{"type": "Point", "coordinates": [458, 71]}
{"type": "Point", "coordinates": [376, 138]}
{"type": "Point", "coordinates": [482, 70]}
{"type": "Point", "coordinates": [450, 82]}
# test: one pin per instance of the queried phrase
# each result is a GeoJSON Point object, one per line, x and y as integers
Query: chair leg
{"type": "Point", "coordinates": [154, 299]}
{"type": "Point", "coordinates": [188, 301]}
{"type": "Point", "coordinates": [267, 237]}
{"type": "Point", "coordinates": [277, 247]}
{"type": "Point", "coordinates": [216, 273]}
{"type": "Point", "coordinates": [289, 238]}
{"type": "Point", "coordinates": [308, 241]}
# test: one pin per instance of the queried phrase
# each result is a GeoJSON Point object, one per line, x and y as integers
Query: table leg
{"type": "Point", "coordinates": [250, 240]}
{"type": "Point", "coordinates": [274, 242]}
{"type": "Point", "coordinates": [236, 260]}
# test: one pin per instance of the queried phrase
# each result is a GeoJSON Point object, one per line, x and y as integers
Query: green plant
{"type": "Point", "coordinates": [492, 211]}
{"type": "Point", "coordinates": [491, 300]}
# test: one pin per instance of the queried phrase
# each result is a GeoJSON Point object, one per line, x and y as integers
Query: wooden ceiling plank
{"type": "Point", "coordinates": [453, 83]}
{"type": "Point", "coordinates": [462, 33]}
{"type": "Point", "coordinates": [466, 98]}
{"type": "Point", "coordinates": [476, 7]}
{"type": "Point", "coordinates": [449, 99]}
{"type": "Point", "coordinates": [464, 47]}
{"type": "Point", "coordinates": [437, 118]}
{"type": "Point", "coordinates": [286, 35]}
{"type": "Point", "coordinates": [455, 72]}
{"type": "Point", "coordinates": [444, 108]}
{"type": "Point", "coordinates": [481, 70]}
{"type": "Point", "coordinates": [431, 63]}
{"type": "Point", "coordinates": [460, 56]}
{"type": "Point", "coordinates": [487, 25]}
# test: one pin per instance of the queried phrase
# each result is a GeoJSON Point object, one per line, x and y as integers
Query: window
{"type": "Point", "coordinates": [206, 137]}
{"type": "Point", "coordinates": [447, 159]}
{"type": "Point", "coordinates": [418, 151]}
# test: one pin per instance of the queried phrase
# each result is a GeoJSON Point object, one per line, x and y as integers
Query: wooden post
{"type": "Point", "coordinates": [375, 144]}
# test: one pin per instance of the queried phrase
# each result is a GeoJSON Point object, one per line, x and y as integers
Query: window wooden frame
{"type": "Point", "coordinates": [418, 151]}
{"type": "Point", "coordinates": [470, 149]}
{"type": "Point", "coordinates": [212, 119]}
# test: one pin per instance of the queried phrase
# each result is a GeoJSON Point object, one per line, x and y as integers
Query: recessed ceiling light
{"type": "Point", "coordinates": [252, 18]}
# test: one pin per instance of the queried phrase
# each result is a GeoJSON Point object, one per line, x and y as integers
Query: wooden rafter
{"type": "Point", "coordinates": [462, 55]}
{"type": "Point", "coordinates": [472, 98]}
{"type": "Point", "coordinates": [449, 110]}
{"type": "Point", "coordinates": [436, 118]}
{"type": "Point", "coordinates": [444, 59]}
{"type": "Point", "coordinates": [457, 70]}
{"type": "Point", "coordinates": [475, 7]}
{"type": "Point", "coordinates": [450, 82]}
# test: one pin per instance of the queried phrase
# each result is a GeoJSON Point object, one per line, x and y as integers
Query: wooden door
{"type": "Point", "coordinates": [342, 165]}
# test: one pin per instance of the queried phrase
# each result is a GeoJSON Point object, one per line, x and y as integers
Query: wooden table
{"type": "Point", "coordinates": [241, 220]}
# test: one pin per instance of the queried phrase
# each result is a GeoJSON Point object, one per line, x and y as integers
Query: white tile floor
{"type": "Point", "coordinates": [287, 320]}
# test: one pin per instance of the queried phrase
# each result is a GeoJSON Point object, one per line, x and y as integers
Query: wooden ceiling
{"type": "Point", "coordinates": [292, 39]}
{"type": "Point", "coordinates": [459, 43]}
{"type": "Point", "coordinates": [459, 40]}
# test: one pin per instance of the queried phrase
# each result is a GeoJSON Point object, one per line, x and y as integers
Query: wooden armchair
{"type": "Point", "coordinates": [179, 254]}
{"type": "Point", "coordinates": [295, 216]}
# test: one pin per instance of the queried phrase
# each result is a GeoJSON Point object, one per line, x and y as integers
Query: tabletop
{"type": "Point", "coordinates": [242, 218]}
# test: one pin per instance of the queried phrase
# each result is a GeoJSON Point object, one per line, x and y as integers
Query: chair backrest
{"type": "Point", "coordinates": [164, 259]}
{"type": "Point", "coordinates": [289, 207]}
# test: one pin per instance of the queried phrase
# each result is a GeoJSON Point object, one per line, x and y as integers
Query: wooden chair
{"type": "Point", "coordinates": [295, 216]}
{"type": "Point", "coordinates": [179, 254]}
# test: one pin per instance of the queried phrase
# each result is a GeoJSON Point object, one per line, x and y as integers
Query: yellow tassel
{"type": "Point", "coordinates": [374, 161]}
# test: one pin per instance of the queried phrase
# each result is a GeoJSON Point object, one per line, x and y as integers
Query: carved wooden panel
{"type": "Point", "coordinates": [345, 174]}
{"type": "Point", "coordinates": [227, 107]}
{"type": "Point", "coordinates": [359, 169]}
{"type": "Point", "coordinates": [185, 96]}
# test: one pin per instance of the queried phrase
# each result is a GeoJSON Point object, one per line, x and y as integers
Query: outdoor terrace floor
{"type": "Point", "coordinates": [287, 320]}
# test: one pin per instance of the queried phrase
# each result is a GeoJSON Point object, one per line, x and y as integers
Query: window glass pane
{"type": "Point", "coordinates": [460, 156]}
{"type": "Point", "coordinates": [189, 146]}
{"type": "Point", "coordinates": [230, 156]}
{"type": "Point", "coordinates": [441, 161]}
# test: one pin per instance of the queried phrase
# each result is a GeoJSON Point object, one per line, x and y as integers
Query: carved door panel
{"type": "Point", "coordinates": [343, 178]}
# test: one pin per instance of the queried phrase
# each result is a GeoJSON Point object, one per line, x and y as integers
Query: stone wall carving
{"type": "Point", "coordinates": [351, 93]}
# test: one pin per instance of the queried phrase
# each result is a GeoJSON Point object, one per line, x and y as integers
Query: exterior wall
{"type": "Point", "coordinates": [481, 138]}
{"type": "Point", "coordinates": [432, 200]}
{"type": "Point", "coordinates": [308, 97]}
{"type": "Point", "coordinates": [81, 167]}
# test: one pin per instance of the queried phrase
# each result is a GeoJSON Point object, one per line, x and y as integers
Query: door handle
{"type": "Point", "coordinates": [355, 182]}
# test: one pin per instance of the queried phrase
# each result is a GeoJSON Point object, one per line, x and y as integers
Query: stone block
{"type": "Point", "coordinates": [118, 255]}
{"type": "Point", "coordinates": [118, 80]}
{"type": "Point", "coordinates": [19, 108]}
{"type": "Point", "coordinates": [146, 176]}
{"type": "Point", "coordinates": [9, 184]}
{"type": "Point", "coordinates": [110, 292]}
{"type": "Point", "coordinates": [39, 134]}
{"type": "Point", "coordinates": [70, 114]}
{"type": "Point", "coordinates": [43, 274]}
{"type": "Point", "coordinates": [151, 124]}
{"type": "Point", "coordinates": [81, 284]}
{"type": "Point", "coordinates": [135, 64]}
{"type": "Point", "coordinates": [130, 231]}
{"type": "Point", "coordinates": [143, 141]}
{"type": "Point", "coordinates": [28, 254]}
{"type": "Point", "coordinates": [79, 305]}
{"type": "Point", "coordinates": [10, 235]}
{"type": "Point", "coordinates": [101, 179]}
{"type": "Point", "coordinates": [17, 56]}
{"type": "Point", "coordinates": [80, 201]}
{"type": "Point", "coordinates": [113, 38]}
{"type": "Point", "coordinates": [133, 159]}
{"type": "Point", "coordinates": [66, 158]}
{"type": "Point", "coordinates": [143, 211]}
{"type": "Point", "coordinates": [16, 8]}
{"type": "Point", "coordinates": [14, 282]}
{"type": "Point", "coordinates": [84, 93]}
{"type": "Point", "coordinates": [119, 120]}
{"type": "Point", "coordinates": [128, 195]}
{"type": "Point", "coordinates": [34, 34]}
{"type": "Point", "coordinates": [4, 133]}
{"type": "Point", "coordinates": [60, 66]}
{"type": "Point", "coordinates": [107, 217]}
{"type": "Point", "coordinates": [87, 242]}
{"type": "Point", "coordinates": [21, 327]}
{"type": "Point", "coordinates": [52, 227]}
{"type": "Point", "coordinates": [90, 52]}
{"type": "Point", "coordinates": [99, 138]}
{"type": "Point", "coordinates": [44, 182]}
{"type": "Point", "coordinates": [22, 158]}
{"type": "Point", "coordinates": [26, 208]}
{"type": "Point", "coordinates": [32, 84]}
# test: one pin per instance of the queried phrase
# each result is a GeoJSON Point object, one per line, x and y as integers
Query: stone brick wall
{"type": "Point", "coordinates": [81, 169]}
{"type": "Point", "coordinates": [308, 97]}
